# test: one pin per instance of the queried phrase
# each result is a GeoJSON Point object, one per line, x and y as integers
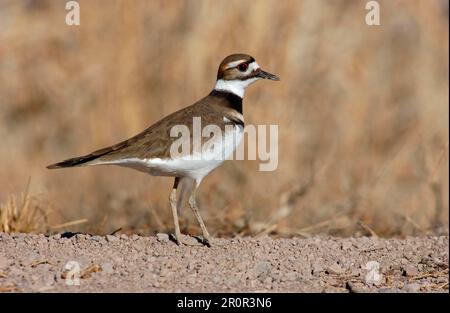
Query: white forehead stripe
{"type": "Point", "coordinates": [234, 63]}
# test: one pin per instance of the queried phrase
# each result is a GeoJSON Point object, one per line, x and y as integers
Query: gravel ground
{"type": "Point", "coordinates": [38, 263]}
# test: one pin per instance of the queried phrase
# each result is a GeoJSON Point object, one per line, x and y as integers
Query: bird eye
{"type": "Point", "coordinates": [243, 67]}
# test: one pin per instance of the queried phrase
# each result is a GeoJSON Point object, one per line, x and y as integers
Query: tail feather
{"type": "Point", "coordinates": [78, 161]}
{"type": "Point", "coordinates": [82, 160]}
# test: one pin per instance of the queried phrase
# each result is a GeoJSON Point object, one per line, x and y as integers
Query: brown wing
{"type": "Point", "coordinates": [153, 142]}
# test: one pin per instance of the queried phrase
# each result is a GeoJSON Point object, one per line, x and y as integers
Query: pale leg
{"type": "Point", "coordinates": [173, 205]}
{"type": "Point", "coordinates": [193, 204]}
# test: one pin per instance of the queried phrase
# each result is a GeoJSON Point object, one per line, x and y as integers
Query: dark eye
{"type": "Point", "coordinates": [243, 67]}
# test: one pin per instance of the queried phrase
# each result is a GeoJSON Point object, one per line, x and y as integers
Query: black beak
{"type": "Point", "coordinates": [267, 75]}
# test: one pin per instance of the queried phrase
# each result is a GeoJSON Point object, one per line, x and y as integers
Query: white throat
{"type": "Point", "coordinates": [236, 87]}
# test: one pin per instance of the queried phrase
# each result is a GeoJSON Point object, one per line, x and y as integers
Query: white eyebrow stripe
{"type": "Point", "coordinates": [234, 63]}
{"type": "Point", "coordinates": [251, 67]}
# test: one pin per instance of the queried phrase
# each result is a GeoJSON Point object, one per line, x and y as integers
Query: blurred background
{"type": "Point", "coordinates": [362, 114]}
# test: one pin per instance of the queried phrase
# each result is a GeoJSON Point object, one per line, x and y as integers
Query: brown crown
{"type": "Point", "coordinates": [224, 73]}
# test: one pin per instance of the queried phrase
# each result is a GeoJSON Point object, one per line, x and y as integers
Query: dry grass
{"type": "Point", "coordinates": [363, 110]}
{"type": "Point", "coordinates": [23, 214]}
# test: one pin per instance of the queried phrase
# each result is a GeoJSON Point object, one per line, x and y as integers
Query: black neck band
{"type": "Point", "coordinates": [235, 102]}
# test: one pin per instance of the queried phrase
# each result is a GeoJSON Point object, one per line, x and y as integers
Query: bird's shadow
{"type": "Point", "coordinates": [199, 239]}
{"type": "Point", "coordinates": [69, 234]}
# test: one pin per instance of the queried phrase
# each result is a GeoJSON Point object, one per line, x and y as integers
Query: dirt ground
{"type": "Point", "coordinates": [85, 263]}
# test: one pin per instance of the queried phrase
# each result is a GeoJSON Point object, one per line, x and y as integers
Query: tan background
{"type": "Point", "coordinates": [363, 110]}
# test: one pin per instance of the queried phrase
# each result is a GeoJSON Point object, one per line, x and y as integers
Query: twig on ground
{"type": "Point", "coordinates": [76, 222]}
{"type": "Point", "coordinates": [8, 288]}
{"type": "Point", "coordinates": [34, 264]}
{"type": "Point", "coordinates": [367, 228]}
{"type": "Point", "coordinates": [115, 231]}
{"type": "Point", "coordinates": [91, 269]}
{"type": "Point", "coordinates": [434, 275]}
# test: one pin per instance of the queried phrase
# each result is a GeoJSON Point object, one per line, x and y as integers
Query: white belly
{"type": "Point", "coordinates": [194, 166]}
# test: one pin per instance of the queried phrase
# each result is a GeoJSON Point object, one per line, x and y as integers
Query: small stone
{"type": "Point", "coordinates": [262, 268]}
{"type": "Point", "coordinates": [335, 269]}
{"type": "Point", "coordinates": [354, 287]}
{"type": "Point", "coordinates": [135, 237]}
{"type": "Point", "coordinates": [414, 287]}
{"type": "Point", "coordinates": [191, 280]}
{"type": "Point", "coordinates": [388, 290]}
{"type": "Point", "coordinates": [123, 236]}
{"type": "Point", "coordinates": [79, 237]}
{"type": "Point", "coordinates": [56, 237]}
{"type": "Point", "coordinates": [95, 238]}
{"type": "Point", "coordinates": [111, 238]}
{"type": "Point", "coordinates": [316, 268]}
{"type": "Point", "coordinates": [107, 268]}
{"type": "Point", "coordinates": [346, 245]}
{"type": "Point", "coordinates": [161, 237]}
{"type": "Point", "coordinates": [373, 275]}
{"type": "Point", "coordinates": [410, 271]}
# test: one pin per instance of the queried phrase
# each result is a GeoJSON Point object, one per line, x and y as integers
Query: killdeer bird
{"type": "Point", "coordinates": [151, 151]}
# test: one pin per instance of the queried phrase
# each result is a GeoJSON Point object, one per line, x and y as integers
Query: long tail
{"type": "Point", "coordinates": [86, 159]}
{"type": "Point", "coordinates": [82, 160]}
{"type": "Point", "coordinates": [78, 161]}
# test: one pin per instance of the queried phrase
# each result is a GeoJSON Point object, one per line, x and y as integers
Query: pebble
{"type": "Point", "coordinates": [143, 264]}
{"type": "Point", "coordinates": [410, 271]}
{"type": "Point", "coordinates": [111, 238]}
{"type": "Point", "coordinates": [96, 238]}
{"type": "Point", "coordinates": [388, 290]}
{"type": "Point", "coordinates": [161, 237]}
{"type": "Point", "coordinates": [262, 267]}
{"type": "Point", "coordinates": [107, 268]}
{"type": "Point", "coordinates": [414, 287]}
{"type": "Point", "coordinates": [346, 245]}
{"type": "Point", "coordinates": [354, 287]}
{"type": "Point", "coordinates": [316, 269]}
{"type": "Point", "coordinates": [191, 280]}
{"type": "Point", "coordinates": [335, 269]}
{"type": "Point", "coordinates": [76, 237]}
